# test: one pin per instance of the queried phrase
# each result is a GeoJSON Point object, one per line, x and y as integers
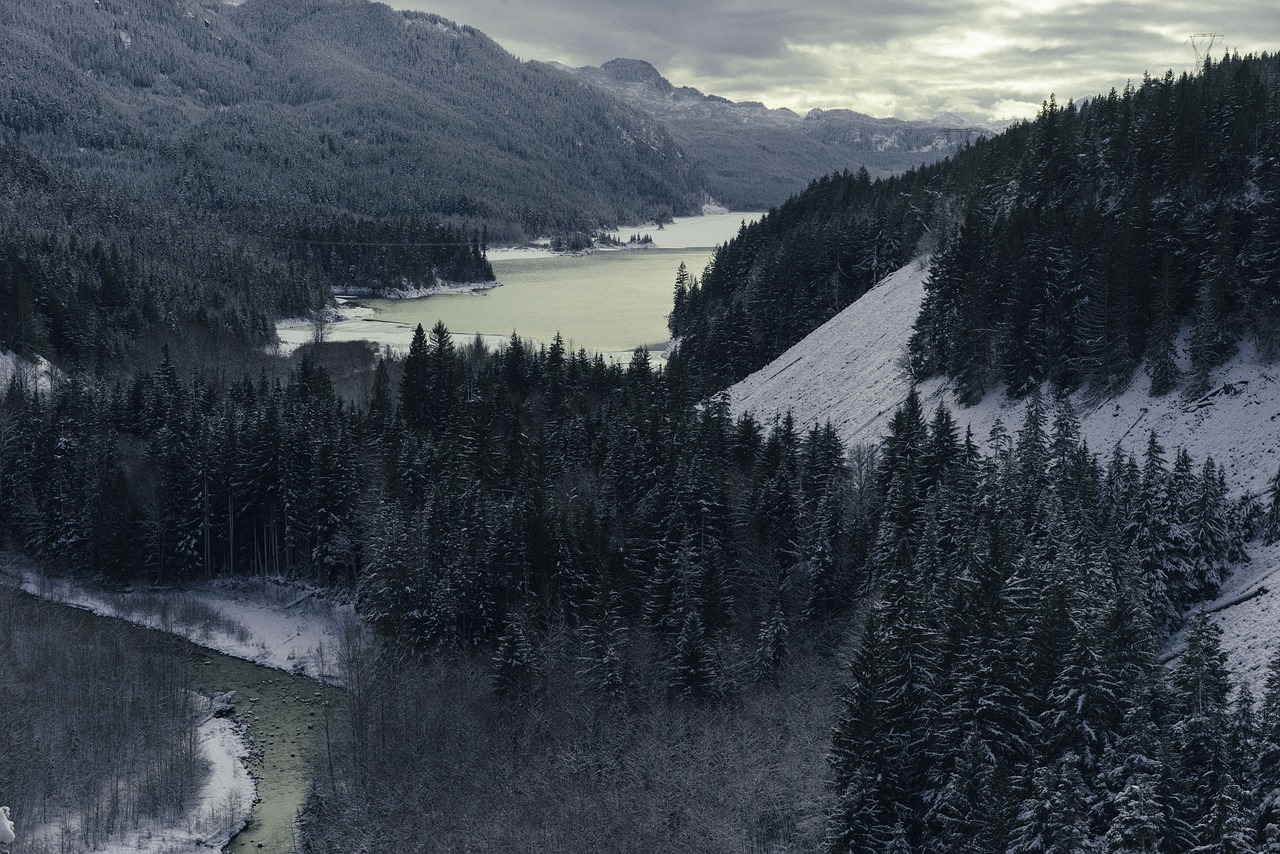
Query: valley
{"type": "Point", "coordinates": [947, 520]}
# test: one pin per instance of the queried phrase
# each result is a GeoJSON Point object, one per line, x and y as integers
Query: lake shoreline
{"type": "Point", "coordinates": [610, 301]}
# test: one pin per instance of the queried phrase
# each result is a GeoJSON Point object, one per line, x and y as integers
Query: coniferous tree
{"type": "Point", "coordinates": [415, 383]}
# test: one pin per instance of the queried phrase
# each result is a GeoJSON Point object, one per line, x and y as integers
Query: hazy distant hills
{"type": "Point", "coordinates": [336, 104]}
{"type": "Point", "coordinates": [754, 157]}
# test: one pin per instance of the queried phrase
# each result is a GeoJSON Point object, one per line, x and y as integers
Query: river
{"type": "Point", "coordinates": [610, 301]}
{"type": "Point", "coordinates": [285, 718]}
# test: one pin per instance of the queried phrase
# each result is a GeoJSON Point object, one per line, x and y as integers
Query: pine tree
{"type": "Point", "coordinates": [515, 665]}
{"type": "Point", "coordinates": [1161, 364]}
{"type": "Point", "coordinates": [1138, 827]}
{"type": "Point", "coordinates": [415, 384]}
{"type": "Point", "coordinates": [1054, 819]}
{"type": "Point", "coordinates": [1271, 524]}
{"type": "Point", "coordinates": [1268, 751]}
{"type": "Point", "coordinates": [858, 822]}
{"type": "Point", "coordinates": [442, 377]}
{"type": "Point", "coordinates": [1201, 682]}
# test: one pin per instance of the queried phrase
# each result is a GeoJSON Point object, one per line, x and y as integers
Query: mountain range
{"type": "Point", "coordinates": [754, 157]}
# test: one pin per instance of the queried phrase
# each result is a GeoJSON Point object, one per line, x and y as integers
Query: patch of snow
{"type": "Point", "coordinates": [532, 251]}
{"type": "Point", "coordinates": [39, 373]}
{"type": "Point", "coordinates": [293, 332]}
{"type": "Point", "coordinates": [691, 232]}
{"type": "Point", "coordinates": [220, 810]}
{"type": "Point", "coordinates": [1248, 617]}
{"type": "Point", "coordinates": [851, 371]}
{"type": "Point", "coordinates": [344, 310]}
{"type": "Point", "coordinates": [417, 291]}
{"type": "Point", "coordinates": [258, 620]}
{"type": "Point", "coordinates": [125, 39]}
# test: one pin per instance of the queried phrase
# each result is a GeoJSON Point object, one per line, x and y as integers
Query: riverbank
{"type": "Point", "coordinates": [273, 646]}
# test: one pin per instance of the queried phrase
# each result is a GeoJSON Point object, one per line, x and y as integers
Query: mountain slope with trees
{"type": "Point", "coordinates": [263, 108]}
{"type": "Point", "coordinates": [754, 157]}
{"type": "Point", "coordinates": [190, 173]}
{"type": "Point", "coordinates": [598, 591]}
{"type": "Point", "coordinates": [1067, 249]}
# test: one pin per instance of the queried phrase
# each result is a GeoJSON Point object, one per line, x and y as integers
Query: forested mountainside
{"type": "Point", "coordinates": [587, 539]}
{"type": "Point", "coordinates": [95, 276]}
{"type": "Point", "coordinates": [1066, 249]}
{"type": "Point", "coordinates": [622, 587]}
{"type": "Point", "coordinates": [197, 171]}
{"type": "Point", "coordinates": [263, 108]}
{"type": "Point", "coordinates": [753, 157]}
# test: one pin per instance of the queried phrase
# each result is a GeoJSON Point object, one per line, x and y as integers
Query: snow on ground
{"type": "Point", "coordinates": [41, 372]}
{"type": "Point", "coordinates": [417, 292]}
{"type": "Point", "coordinates": [1250, 628]}
{"type": "Point", "coordinates": [261, 620]}
{"type": "Point", "coordinates": [851, 372]}
{"type": "Point", "coordinates": [717, 225]}
{"type": "Point", "coordinates": [294, 332]}
{"type": "Point", "coordinates": [218, 812]}
{"type": "Point", "coordinates": [273, 624]}
{"type": "Point", "coordinates": [345, 309]}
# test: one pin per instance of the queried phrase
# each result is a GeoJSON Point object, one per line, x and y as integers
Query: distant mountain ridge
{"type": "Point", "coordinates": [342, 105]}
{"type": "Point", "coordinates": [755, 157]}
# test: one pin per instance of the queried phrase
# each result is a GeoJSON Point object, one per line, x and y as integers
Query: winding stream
{"type": "Point", "coordinates": [285, 720]}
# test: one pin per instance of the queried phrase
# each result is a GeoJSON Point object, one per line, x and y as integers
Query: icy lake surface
{"type": "Point", "coordinates": [610, 301]}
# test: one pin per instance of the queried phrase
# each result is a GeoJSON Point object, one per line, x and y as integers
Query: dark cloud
{"type": "Point", "coordinates": [910, 58]}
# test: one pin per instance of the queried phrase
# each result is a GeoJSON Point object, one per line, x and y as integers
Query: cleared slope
{"type": "Point", "coordinates": [851, 372]}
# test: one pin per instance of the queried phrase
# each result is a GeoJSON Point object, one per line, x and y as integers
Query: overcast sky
{"type": "Point", "coordinates": [994, 59]}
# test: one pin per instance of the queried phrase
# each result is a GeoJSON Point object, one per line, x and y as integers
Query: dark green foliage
{"type": "Point", "coordinates": [517, 491]}
{"type": "Point", "coordinates": [1065, 249]}
{"type": "Point", "coordinates": [1005, 692]}
{"type": "Point", "coordinates": [271, 108]}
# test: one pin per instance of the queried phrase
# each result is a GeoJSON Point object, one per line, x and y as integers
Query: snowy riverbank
{"type": "Point", "coordinates": [218, 812]}
{"type": "Point", "coordinates": [264, 621]}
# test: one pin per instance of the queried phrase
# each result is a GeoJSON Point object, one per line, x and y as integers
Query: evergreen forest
{"type": "Point", "coordinates": [1066, 249]}
{"type": "Point", "coordinates": [593, 590]}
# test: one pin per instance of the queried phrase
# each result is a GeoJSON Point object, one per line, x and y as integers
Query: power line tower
{"type": "Point", "coordinates": [1206, 39]}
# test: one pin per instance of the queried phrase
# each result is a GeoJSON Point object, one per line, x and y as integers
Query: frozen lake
{"type": "Point", "coordinates": [611, 301]}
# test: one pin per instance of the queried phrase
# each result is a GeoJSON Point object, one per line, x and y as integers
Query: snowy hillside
{"type": "Point", "coordinates": [851, 372]}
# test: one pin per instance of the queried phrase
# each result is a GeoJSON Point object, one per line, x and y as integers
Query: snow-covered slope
{"type": "Point", "coordinates": [39, 373]}
{"type": "Point", "coordinates": [851, 372]}
{"type": "Point", "coordinates": [272, 624]}
{"type": "Point", "coordinates": [1248, 610]}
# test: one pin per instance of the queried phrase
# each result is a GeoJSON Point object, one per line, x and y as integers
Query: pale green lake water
{"type": "Point", "coordinates": [609, 302]}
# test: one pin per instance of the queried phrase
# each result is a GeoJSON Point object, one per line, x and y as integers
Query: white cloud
{"type": "Point", "coordinates": [909, 58]}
